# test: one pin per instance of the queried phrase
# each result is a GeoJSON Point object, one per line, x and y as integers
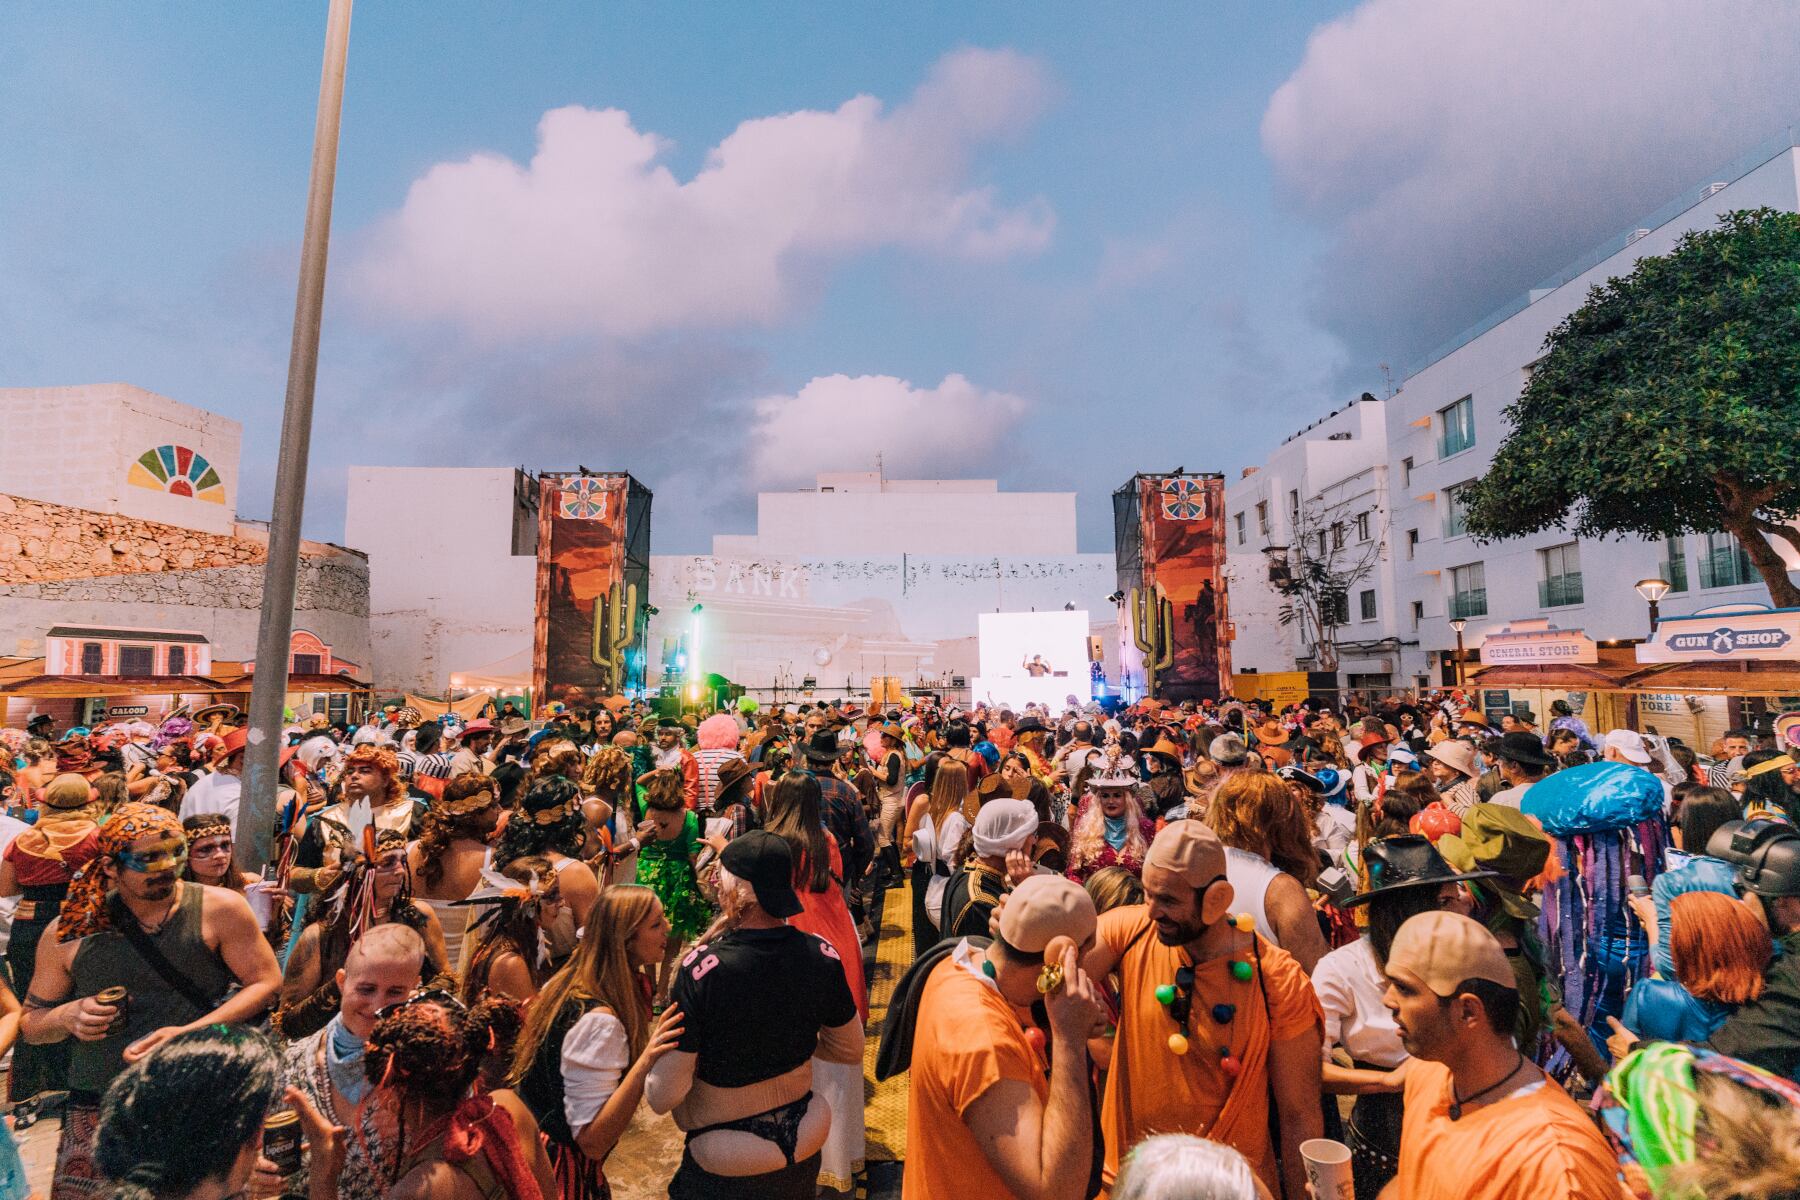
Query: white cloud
{"type": "Point", "coordinates": [841, 422]}
{"type": "Point", "coordinates": [1459, 152]}
{"type": "Point", "coordinates": [596, 235]}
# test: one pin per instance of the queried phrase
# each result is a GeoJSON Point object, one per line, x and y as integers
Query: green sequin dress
{"type": "Point", "coordinates": [667, 868]}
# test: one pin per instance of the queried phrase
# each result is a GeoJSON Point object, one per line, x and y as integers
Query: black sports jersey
{"type": "Point", "coordinates": [753, 1003]}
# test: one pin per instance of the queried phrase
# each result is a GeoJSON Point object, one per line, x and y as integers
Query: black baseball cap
{"type": "Point", "coordinates": [763, 860]}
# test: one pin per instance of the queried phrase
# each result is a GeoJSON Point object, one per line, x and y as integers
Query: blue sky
{"type": "Point", "coordinates": [1070, 242]}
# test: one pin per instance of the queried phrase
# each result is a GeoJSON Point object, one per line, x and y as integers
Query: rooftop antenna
{"type": "Point", "coordinates": [1387, 376]}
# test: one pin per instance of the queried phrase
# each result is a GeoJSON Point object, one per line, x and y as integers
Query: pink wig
{"type": "Point", "coordinates": [719, 732]}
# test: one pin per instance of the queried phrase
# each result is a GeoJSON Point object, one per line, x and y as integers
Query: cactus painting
{"type": "Point", "coordinates": [1153, 632]}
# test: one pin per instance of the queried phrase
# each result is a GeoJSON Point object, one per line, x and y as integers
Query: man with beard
{"type": "Point", "coordinates": [178, 950]}
{"type": "Point", "coordinates": [1482, 1121]}
{"type": "Point", "coordinates": [1214, 1021]}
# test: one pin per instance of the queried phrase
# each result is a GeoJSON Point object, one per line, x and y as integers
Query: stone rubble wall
{"type": "Point", "coordinates": [332, 585]}
{"type": "Point", "coordinates": [40, 541]}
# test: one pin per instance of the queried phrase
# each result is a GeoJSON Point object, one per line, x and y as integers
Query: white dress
{"type": "Point", "coordinates": [931, 846]}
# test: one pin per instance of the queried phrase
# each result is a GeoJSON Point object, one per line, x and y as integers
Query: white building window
{"type": "Point", "coordinates": [1456, 510]}
{"type": "Point", "coordinates": [1337, 535]}
{"type": "Point", "coordinates": [1238, 524]}
{"type": "Point", "coordinates": [1674, 566]}
{"type": "Point", "coordinates": [1456, 427]}
{"type": "Point", "coordinates": [1468, 591]}
{"type": "Point", "coordinates": [1724, 562]}
{"type": "Point", "coordinates": [1412, 543]}
{"type": "Point", "coordinates": [1366, 601]}
{"type": "Point", "coordinates": [1262, 517]}
{"type": "Point", "coordinates": [1559, 576]}
{"type": "Point", "coordinates": [1418, 612]}
{"type": "Point", "coordinates": [1362, 527]}
{"type": "Point", "coordinates": [1406, 472]}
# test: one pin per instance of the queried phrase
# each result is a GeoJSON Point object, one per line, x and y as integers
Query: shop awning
{"type": "Point", "coordinates": [1616, 664]}
{"type": "Point", "coordinates": [1743, 678]}
{"type": "Point", "coordinates": [239, 680]}
{"type": "Point", "coordinates": [86, 687]}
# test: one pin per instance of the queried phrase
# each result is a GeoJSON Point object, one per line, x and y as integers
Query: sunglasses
{"type": "Point", "coordinates": [430, 995]}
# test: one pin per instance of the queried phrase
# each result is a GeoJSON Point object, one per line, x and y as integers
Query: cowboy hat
{"type": "Point", "coordinates": [1458, 755]}
{"type": "Point", "coordinates": [212, 710]}
{"type": "Point", "coordinates": [1406, 861]}
{"type": "Point", "coordinates": [476, 728]}
{"type": "Point", "coordinates": [1164, 748]}
{"type": "Point", "coordinates": [1271, 733]}
{"type": "Point", "coordinates": [1521, 747]}
{"type": "Point", "coordinates": [998, 786]}
{"type": "Point", "coordinates": [1469, 716]}
{"type": "Point", "coordinates": [733, 773]}
{"type": "Point", "coordinates": [823, 747]}
{"type": "Point", "coordinates": [1031, 725]}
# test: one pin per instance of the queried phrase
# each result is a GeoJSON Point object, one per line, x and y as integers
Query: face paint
{"type": "Point", "coordinates": [170, 858]}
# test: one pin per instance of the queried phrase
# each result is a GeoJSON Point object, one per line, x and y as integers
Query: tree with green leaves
{"type": "Point", "coordinates": [1669, 403]}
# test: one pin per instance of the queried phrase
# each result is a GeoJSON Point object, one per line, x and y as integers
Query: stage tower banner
{"type": "Point", "coordinates": [593, 583]}
{"type": "Point", "coordinates": [1169, 539]}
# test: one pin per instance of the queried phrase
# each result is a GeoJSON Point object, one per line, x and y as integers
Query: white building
{"type": "Point", "coordinates": [1321, 497]}
{"type": "Point", "coordinates": [1389, 471]}
{"type": "Point", "coordinates": [1446, 422]}
{"type": "Point", "coordinates": [865, 578]}
{"type": "Point", "coordinates": [452, 572]}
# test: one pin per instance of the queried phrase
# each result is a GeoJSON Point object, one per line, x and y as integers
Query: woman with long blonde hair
{"type": "Point", "coordinates": [942, 816]}
{"type": "Point", "coordinates": [590, 1038]}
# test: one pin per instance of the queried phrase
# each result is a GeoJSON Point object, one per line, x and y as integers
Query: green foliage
{"type": "Point", "coordinates": [1668, 403]}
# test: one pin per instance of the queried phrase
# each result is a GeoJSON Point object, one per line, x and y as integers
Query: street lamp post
{"type": "Point", "coordinates": [1459, 624]}
{"type": "Point", "coordinates": [1653, 590]}
{"type": "Point", "coordinates": [268, 693]}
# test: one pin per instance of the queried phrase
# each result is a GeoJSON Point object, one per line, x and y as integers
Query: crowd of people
{"type": "Point", "coordinates": [1155, 951]}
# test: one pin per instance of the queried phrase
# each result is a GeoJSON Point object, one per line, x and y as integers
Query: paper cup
{"type": "Point", "coordinates": [1328, 1168]}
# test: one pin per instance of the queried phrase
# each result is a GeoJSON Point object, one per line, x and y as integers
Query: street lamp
{"type": "Point", "coordinates": [1459, 624]}
{"type": "Point", "coordinates": [1652, 590]}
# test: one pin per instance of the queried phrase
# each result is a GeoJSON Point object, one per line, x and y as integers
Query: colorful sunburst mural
{"type": "Point", "coordinates": [178, 471]}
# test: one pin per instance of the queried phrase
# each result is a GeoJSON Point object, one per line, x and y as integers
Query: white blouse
{"type": "Point", "coordinates": [595, 1056]}
{"type": "Point", "coordinates": [1350, 987]}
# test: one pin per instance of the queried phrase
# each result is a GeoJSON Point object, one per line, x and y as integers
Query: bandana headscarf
{"type": "Point", "coordinates": [84, 910]}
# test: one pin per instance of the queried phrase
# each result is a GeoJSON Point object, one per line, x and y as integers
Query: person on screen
{"type": "Point", "coordinates": [1036, 667]}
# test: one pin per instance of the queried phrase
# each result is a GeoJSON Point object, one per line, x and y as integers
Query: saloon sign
{"type": "Point", "coordinates": [1730, 633]}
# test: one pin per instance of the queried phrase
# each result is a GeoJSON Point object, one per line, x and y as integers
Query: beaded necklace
{"type": "Point", "coordinates": [1177, 1000]}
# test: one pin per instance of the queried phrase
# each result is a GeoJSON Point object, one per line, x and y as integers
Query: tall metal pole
{"type": "Point", "coordinates": [268, 696]}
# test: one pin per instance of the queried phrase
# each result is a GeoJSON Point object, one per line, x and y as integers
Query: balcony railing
{"type": "Point", "coordinates": [1464, 605]}
{"type": "Point", "coordinates": [1559, 590]}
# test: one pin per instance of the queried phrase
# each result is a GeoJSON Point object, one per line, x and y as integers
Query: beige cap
{"type": "Point", "coordinates": [1189, 849]}
{"type": "Point", "coordinates": [1445, 949]}
{"type": "Point", "coordinates": [1045, 907]}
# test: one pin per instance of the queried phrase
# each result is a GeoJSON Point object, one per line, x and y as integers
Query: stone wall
{"type": "Point", "coordinates": [41, 541]}
{"type": "Point", "coordinates": [338, 584]}
{"type": "Point", "coordinates": [70, 566]}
